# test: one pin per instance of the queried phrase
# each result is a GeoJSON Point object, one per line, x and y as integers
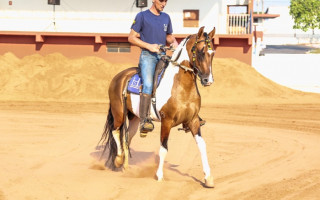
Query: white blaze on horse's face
{"type": "Point", "coordinates": [210, 51]}
{"type": "Point", "coordinates": [207, 81]}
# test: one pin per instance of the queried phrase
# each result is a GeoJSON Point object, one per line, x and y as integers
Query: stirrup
{"type": "Point", "coordinates": [145, 127]}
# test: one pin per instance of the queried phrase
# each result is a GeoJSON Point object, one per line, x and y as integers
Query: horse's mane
{"type": "Point", "coordinates": [181, 52]}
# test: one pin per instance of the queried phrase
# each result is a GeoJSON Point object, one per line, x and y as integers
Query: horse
{"type": "Point", "coordinates": [177, 101]}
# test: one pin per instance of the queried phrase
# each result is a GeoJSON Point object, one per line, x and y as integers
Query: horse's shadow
{"type": "Point", "coordinates": [174, 169]}
{"type": "Point", "coordinates": [146, 161]}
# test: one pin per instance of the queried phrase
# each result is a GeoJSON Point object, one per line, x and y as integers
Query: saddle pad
{"type": "Point", "coordinates": [135, 83]}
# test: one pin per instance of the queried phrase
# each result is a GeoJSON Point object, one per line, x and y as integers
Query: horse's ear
{"type": "Point", "coordinates": [211, 34]}
{"type": "Point", "coordinates": [200, 32]}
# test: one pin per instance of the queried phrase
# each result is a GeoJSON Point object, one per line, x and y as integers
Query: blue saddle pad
{"type": "Point", "coordinates": [135, 83]}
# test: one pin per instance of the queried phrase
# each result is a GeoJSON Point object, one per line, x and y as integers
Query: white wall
{"type": "Point", "coordinates": [105, 16]}
{"type": "Point", "coordinates": [296, 71]}
{"type": "Point", "coordinates": [280, 30]}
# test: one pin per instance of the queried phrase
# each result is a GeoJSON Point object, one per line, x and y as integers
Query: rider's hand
{"type": "Point", "coordinates": [154, 48]}
{"type": "Point", "coordinates": [174, 45]}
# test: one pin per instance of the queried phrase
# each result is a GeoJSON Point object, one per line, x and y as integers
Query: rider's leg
{"type": "Point", "coordinates": [162, 63]}
{"type": "Point", "coordinates": [147, 66]}
{"type": "Point", "coordinates": [145, 123]}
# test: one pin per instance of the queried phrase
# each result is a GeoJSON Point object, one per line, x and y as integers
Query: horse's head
{"type": "Point", "coordinates": [201, 52]}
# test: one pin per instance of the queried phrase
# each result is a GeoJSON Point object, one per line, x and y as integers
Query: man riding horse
{"type": "Point", "coordinates": [150, 29]}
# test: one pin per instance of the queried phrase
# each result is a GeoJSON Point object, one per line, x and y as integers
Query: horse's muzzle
{"type": "Point", "coordinates": [207, 81]}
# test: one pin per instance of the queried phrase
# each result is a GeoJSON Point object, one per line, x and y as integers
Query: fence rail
{"type": "Point", "coordinates": [238, 24]}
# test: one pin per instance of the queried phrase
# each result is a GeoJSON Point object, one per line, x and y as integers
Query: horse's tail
{"type": "Point", "coordinates": [108, 141]}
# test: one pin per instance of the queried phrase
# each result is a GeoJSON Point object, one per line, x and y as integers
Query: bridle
{"type": "Point", "coordinates": [196, 69]}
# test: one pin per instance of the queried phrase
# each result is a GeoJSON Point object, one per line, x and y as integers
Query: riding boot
{"type": "Point", "coordinates": [146, 124]}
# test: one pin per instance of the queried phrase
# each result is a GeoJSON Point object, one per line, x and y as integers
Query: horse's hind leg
{"type": "Point", "coordinates": [116, 106]}
{"type": "Point", "coordinates": [118, 161]}
{"type": "Point", "coordinates": [132, 129]}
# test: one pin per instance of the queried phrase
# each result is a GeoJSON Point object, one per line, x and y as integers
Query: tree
{"type": "Point", "coordinates": [306, 14]}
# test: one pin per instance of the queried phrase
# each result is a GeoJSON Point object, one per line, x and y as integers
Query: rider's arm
{"type": "Point", "coordinates": [135, 40]}
{"type": "Point", "coordinates": [172, 41]}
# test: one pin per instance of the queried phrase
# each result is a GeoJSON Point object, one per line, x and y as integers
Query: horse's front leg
{"type": "Point", "coordinates": [165, 130]}
{"type": "Point", "coordinates": [194, 126]}
{"type": "Point", "coordinates": [204, 158]}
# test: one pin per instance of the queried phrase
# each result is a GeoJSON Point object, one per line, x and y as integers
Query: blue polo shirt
{"type": "Point", "coordinates": [153, 28]}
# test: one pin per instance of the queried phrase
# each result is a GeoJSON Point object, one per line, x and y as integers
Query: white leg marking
{"type": "Point", "coordinates": [126, 157]}
{"type": "Point", "coordinates": [116, 136]}
{"type": "Point", "coordinates": [203, 151]}
{"type": "Point", "coordinates": [162, 154]}
{"type": "Point", "coordinates": [210, 76]}
{"type": "Point", "coordinates": [120, 156]}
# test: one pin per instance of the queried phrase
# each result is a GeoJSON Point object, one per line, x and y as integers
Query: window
{"type": "Point", "coordinates": [191, 18]}
{"type": "Point", "coordinates": [237, 9]}
{"type": "Point", "coordinates": [118, 47]}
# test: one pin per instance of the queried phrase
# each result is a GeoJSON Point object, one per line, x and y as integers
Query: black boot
{"type": "Point", "coordinates": [146, 124]}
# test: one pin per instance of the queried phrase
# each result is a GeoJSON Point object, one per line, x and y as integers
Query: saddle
{"type": "Point", "coordinates": [135, 83]}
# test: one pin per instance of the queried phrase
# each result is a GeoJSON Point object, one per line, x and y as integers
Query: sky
{"type": "Point", "coordinates": [269, 3]}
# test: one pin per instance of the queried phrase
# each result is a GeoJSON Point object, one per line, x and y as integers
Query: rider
{"type": "Point", "coordinates": [150, 29]}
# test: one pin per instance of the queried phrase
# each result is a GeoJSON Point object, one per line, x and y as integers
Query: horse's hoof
{"type": "Point", "coordinates": [161, 179]}
{"type": "Point", "coordinates": [118, 161]}
{"type": "Point", "coordinates": [125, 166]}
{"type": "Point", "coordinates": [209, 183]}
{"type": "Point", "coordinates": [159, 176]}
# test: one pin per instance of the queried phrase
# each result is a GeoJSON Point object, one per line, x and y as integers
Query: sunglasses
{"type": "Point", "coordinates": [163, 1]}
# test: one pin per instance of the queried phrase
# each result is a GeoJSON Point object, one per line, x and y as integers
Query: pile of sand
{"type": "Point", "coordinates": [57, 78]}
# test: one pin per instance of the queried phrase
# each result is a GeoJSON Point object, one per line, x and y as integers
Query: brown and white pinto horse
{"type": "Point", "coordinates": [177, 102]}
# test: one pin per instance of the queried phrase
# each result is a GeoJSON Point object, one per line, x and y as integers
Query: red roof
{"type": "Point", "coordinates": [265, 15]}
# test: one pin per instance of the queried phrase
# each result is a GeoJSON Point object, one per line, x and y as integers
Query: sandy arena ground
{"type": "Point", "coordinates": [262, 139]}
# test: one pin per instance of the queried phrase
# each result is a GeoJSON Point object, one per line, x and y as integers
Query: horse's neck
{"type": "Point", "coordinates": [181, 56]}
{"type": "Point", "coordinates": [174, 76]}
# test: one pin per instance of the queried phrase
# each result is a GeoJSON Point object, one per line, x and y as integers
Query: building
{"type": "Point", "coordinates": [280, 30]}
{"type": "Point", "coordinates": [101, 27]}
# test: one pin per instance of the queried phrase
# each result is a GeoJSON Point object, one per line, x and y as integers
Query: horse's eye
{"type": "Point", "coordinates": [200, 54]}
